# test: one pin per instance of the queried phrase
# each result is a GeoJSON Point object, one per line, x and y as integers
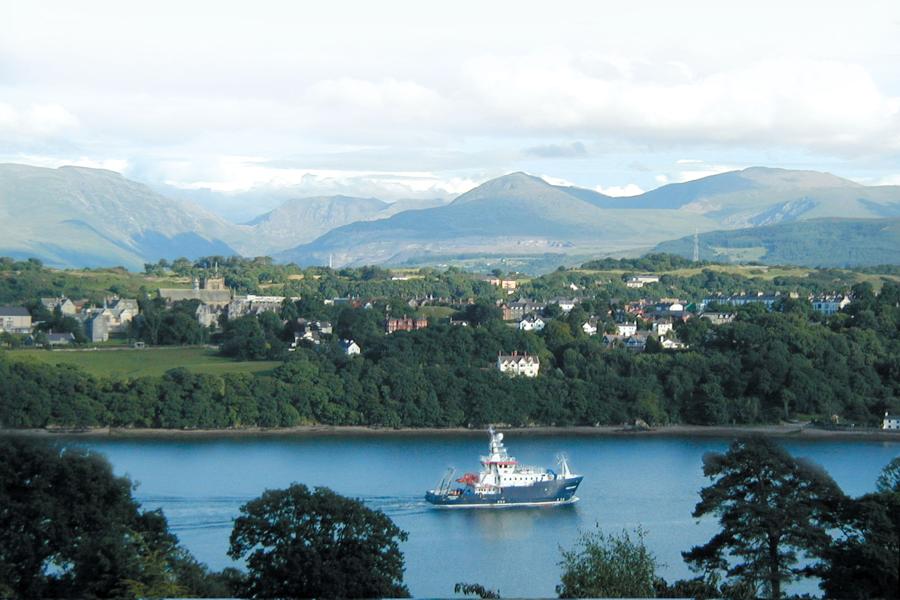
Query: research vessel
{"type": "Point", "coordinates": [503, 482]}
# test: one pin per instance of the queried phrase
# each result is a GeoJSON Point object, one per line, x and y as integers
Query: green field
{"type": "Point", "coordinates": [129, 363]}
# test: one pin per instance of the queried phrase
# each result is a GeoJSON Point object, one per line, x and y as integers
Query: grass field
{"type": "Point", "coordinates": [129, 363]}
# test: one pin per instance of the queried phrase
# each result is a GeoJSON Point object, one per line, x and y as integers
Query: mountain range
{"type": "Point", "coordinates": [73, 216]}
{"type": "Point", "coordinates": [519, 214]}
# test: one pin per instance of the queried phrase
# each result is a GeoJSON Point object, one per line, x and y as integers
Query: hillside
{"type": "Point", "coordinates": [73, 216]}
{"type": "Point", "coordinates": [818, 242]}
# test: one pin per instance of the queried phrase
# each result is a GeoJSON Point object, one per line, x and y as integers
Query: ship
{"type": "Point", "coordinates": [503, 482]}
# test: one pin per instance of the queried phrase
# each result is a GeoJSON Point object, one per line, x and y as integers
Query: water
{"type": "Point", "coordinates": [200, 484]}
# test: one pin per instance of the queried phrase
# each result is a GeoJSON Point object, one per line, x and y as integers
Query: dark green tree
{"type": "Point", "coordinates": [864, 562]}
{"type": "Point", "coordinates": [303, 544]}
{"type": "Point", "coordinates": [772, 508]}
{"type": "Point", "coordinates": [70, 528]}
{"type": "Point", "coordinates": [608, 566]}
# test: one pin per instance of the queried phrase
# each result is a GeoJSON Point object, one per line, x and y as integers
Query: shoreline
{"type": "Point", "coordinates": [686, 431]}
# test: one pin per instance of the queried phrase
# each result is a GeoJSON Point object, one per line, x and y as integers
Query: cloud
{"type": "Point", "coordinates": [35, 120]}
{"type": "Point", "coordinates": [241, 173]}
{"type": "Point", "coordinates": [629, 189]}
{"type": "Point", "coordinates": [572, 150]}
{"type": "Point", "coordinates": [819, 104]}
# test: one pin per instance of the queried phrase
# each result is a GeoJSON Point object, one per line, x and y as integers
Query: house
{"type": "Point", "coordinates": [891, 422]}
{"type": "Point", "coordinates": [60, 339]}
{"type": "Point", "coordinates": [350, 347]}
{"type": "Point", "coordinates": [504, 284]}
{"type": "Point", "coordinates": [208, 315]}
{"type": "Point", "coordinates": [589, 327]}
{"type": "Point", "coordinates": [628, 328]}
{"type": "Point", "coordinates": [96, 327]}
{"type": "Point", "coordinates": [637, 342]}
{"type": "Point", "coordinates": [718, 318]}
{"type": "Point", "coordinates": [662, 327]}
{"type": "Point", "coordinates": [671, 344]}
{"type": "Point", "coordinates": [565, 304]}
{"type": "Point", "coordinates": [743, 299]}
{"type": "Point", "coordinates": [639, 281]}
{"type": "Point", "coordinates": [66, 306]}
{"type": "Point", "coordinates": [526, 365]}
{"type": "Point", "coordinates": [459, 322]}
{"type": "Point", "coordinates": [119, 313]}
{"type": "Point", "coordinates": [208, 290]}
{"type": "Point", "coordinates": [531, 323]}
{"type": "Point", "coordinates": [611, 340]}
{"type": "Point", "coordinates": [516, 311]}
{"type": "Point", "coordinates": [829, 305]}
{"type": "Point", "coordinates": [405, 324]}
{"type": "Point", "coordinates": [15, 319]}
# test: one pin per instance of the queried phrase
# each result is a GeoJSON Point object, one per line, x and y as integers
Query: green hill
{"type": "Point", "coordinates": [818, 242]}
{"type": "Point", "coordinates": [73, 216]}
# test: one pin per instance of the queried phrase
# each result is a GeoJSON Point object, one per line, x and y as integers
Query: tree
{"type": "Point", "coordinates": [476, 589]}
{"type": "Point", "coordinates": [608, 566]}
{"type": "Point", "coordinates": [771, 507]}
{"type": "Point", "coordinates": [303, 544]}
{"type": "Point", "coordinates": [70, 528]}
{"type": "Point", "coordinates": [865, 561]}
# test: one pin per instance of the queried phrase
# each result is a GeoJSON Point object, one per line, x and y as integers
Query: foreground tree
{"type": "Point", "coordinates": [772, 508]}
{"type": "Point", "coordinates": [303, 544]}
{"type": "Point", "coordinates": [865, 561]}
{"type": "Point", "coordinates": [70, 528]}
{"type": "Point", "coordinates": [608, 566]}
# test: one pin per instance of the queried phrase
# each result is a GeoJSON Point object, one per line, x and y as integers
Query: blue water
{"type": "Point", "coordinates": [200, 484]}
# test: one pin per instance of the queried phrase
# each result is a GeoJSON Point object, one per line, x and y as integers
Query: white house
{"type": "Point", "coordinates": [891, 422]}
{"type": "Point", "coordinates": [565, 304]}
{"type": "Point", "coordinates": [350, 347]}
{"type": "Point", "coordinates": [515, 364]}
{"type": "Point", "coordinates": [15, 319]}
{"type": "Point", "coordinates": [671, 344]}
{"type": "Point", "coordinates": [662, 327]}
{"type": "Point", "coordinates": [531, 323]}
{"type": "Point", "coordinates": [639, 281]}
{"type": "Point", "coordinates": [590, 328]}
{"type": "Point", "coordinates": [626, 329]}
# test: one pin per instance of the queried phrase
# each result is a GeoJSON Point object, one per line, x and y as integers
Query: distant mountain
{"type": "Point", "coordinates": [516, 213]}
{"type": "Point", "coordinates": [521, 214]}
{"type": "Point", "coordinates": [817, 242]}
{"type": "Point", "coordinates": [73, 216]}
{"type": "Point", "coordinates": [301, 220]}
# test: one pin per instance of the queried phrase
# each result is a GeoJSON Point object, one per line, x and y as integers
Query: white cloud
{"type": "Point", "coordinates": [819, 104]}
{"type": "Point", "coordinates": [241, 173]}
{"type": "Point", "coordinates": [236, 88]}
{"type": "Point", "coordinates": [557, 181]}
{"type": "Point", "coordinates": [629, 189]}
{"type": "Point", "coordinates": [35, 120]}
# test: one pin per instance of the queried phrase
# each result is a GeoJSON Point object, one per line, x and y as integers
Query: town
{"type": "Point", "coordinates": [554, 329]}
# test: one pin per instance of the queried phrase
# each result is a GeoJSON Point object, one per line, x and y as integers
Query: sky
{"type": "Point", "coordinates": [423, 99]}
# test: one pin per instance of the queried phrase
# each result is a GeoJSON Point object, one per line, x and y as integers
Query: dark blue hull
{"type": "Point", "coordinates": [545, 493]}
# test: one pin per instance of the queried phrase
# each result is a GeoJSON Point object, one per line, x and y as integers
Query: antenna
{"type": "Point", "coordinates": [696, 246]}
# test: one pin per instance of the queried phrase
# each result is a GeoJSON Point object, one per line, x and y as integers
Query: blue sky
{"type": "Point", "coordinates": [416, 99]}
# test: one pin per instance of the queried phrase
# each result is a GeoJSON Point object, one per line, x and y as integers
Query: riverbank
{"type": "Point", "coordinates": [698, 431]}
